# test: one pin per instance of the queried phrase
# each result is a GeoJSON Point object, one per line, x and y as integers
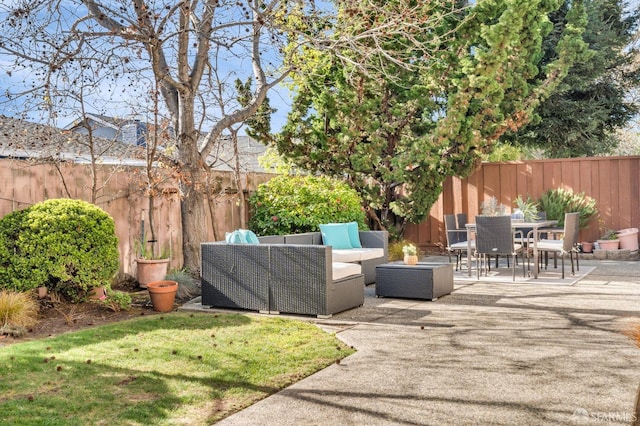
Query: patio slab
{"type": "Point", "coordinates": [488, 353]}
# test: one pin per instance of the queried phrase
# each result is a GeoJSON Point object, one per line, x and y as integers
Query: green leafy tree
{"type": "Point", "coordinates": [396, 135]}
{"type": "Point", "coordinates": [581, 117]}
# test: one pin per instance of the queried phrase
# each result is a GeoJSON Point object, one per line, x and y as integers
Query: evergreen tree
{"type": "Point", "coordinates": [581, 117]}
{"type": "Point", "coordinates": [396, 135]}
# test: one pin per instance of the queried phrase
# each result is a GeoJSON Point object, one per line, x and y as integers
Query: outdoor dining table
{"type": "Point", "coordinates": [516, 224]}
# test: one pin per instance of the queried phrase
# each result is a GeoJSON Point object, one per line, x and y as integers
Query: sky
{"type": "Point", "coordinates": [119, 104]}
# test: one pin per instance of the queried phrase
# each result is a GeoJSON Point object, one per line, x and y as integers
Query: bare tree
{"type": "Point", "coordinates": [186, 46]}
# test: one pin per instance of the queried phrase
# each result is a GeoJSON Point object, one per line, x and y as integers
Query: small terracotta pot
{"type": "Point", "coordinates": [410, 260]}
{"type": "Point", "coordinates": [163, 294]}
{"type": "Point", "coordinates": [587, 247]}
{"type": "Point", "coordinates": [42, 292]}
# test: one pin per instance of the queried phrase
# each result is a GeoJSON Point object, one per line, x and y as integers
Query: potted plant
{"type": "Point", "coordinates": [609, 240]}
{"type": "Point", "coordinates": [162, 294]}
{"type": "Point", "coordinates": [150, 267]}
{"type": "Point", "coordinates": [587, 246]}
{"type": "Point", "coordinates": [410, 252]}
{"type": "Point", "coordinates": [528, 208]}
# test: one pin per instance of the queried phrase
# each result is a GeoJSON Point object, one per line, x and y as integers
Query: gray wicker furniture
{"type": "Point", "coordinates": [368, 239]}
{"type": "Point", "coordinates": [567, 245]}
{"type": "Point", "coordinates": [274, 278]}
{"type": "Point", "coordinates": [495, 237]}
{"type": "Point", "coordinates": [421, 281]}
{"type": "Point", "coordinates": [456, 237]}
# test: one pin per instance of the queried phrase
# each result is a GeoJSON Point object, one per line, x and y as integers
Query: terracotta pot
{"type": "Point", "coordinates": [609, 244]}
{"type": "Point", "coordinates": [587, 247]}
{"type": "Point", "coordinates": [150, 270]}
{"type": "Point", "coordinates": [98, 293]}
{"type": "Point", "coordinates": [42, 292]}
{"type": "Point", "coordinates": [628, 238]}
{"type": "Point", "coordinates": [163, 294]}
{"type": "Point", "coordinates": [410, 260]}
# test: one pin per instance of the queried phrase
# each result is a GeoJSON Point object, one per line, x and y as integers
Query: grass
{"type": "Point", "coordinates": [178, 368]}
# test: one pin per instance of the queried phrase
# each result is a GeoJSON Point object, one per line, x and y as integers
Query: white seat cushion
{"type": "Point", "coordinates": [550, 245]}
{"type": "Point", "coordinates": [462, 245]}
{"type": "Point", "coordinates": [342, 270]}
{"type": "Point", "coordinates": [357, 254]}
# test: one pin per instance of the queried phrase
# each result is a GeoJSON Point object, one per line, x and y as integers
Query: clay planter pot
{"type": "Point", "coordinates": [587, 247]}
{"type": "Point", "coordinates": [163, 294]}
{"type": "Point", "coordinates": [150, 270]}
{"type": "Point", "coordinates": [628, 238]}
{"type": "Point", "coordinates": [410, 260]}
{"type": "Point", "coordinates": [609, 244]}
{"type": "Point", "coordinates": [98, 293]}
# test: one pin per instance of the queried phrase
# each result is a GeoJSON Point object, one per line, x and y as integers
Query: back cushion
{"type": "Point", "coordinates": [336, 235]}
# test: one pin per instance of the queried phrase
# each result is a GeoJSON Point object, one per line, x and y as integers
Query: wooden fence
{"type": "Point", "coordinates": [121, 195]}
{"type": "Point", "coordinates": [614, 182]}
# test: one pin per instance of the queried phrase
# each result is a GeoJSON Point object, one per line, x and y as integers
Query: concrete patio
{"type": "Point", "coordinates": [489, 353]}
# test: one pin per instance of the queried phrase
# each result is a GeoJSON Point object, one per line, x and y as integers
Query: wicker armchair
{"type": "Point", "coordinates": [494, 237]}
{"type": "Point", "coordinates": [568, 244]}
{"type": "Point", "coordinates": [456, 238]}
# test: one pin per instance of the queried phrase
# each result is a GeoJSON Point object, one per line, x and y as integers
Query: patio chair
{"type": "Point", "coordinates": [568, 244]}
{"type": "Point", "coordinates": [495, 237]}
{"type": "Point", "coordinates": [456, 239]}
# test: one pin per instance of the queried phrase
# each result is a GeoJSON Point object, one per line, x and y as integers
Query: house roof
{"type": "Point", "coordinates": [27, 140]}
{"type": "Point", "coordinates": [23, 139]}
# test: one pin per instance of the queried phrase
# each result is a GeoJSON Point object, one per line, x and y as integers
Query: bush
{"type": "Point", "coordinates": [68, 246]}
{"type": "Point", "coordinates": [289, 205]}
{"type": "Point", "coordinates": [116, 300]}
{"type": "Point", "coordinates": [17, 312]}
{"type": "Point", "coordinates": [556, 202]}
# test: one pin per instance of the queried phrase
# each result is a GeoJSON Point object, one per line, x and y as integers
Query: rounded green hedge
{"type": "Point", "coordinates": [295, 204]}
{"type": "Point", "coordinates": [69, 246]}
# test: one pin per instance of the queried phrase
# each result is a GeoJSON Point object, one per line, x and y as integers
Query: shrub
{"type": "Point", "coordinates": [556, 202]}
{"type": "Point", "coordinates": [69, 246]}
{"type": "Point", "coordinates": [17, 311]}
{"type": "Point", "coordinates": [288, 205]}
{"type": "Point", "coordinates": [188, 286]}
{"type": "Point", "coordinates": [116, 300]}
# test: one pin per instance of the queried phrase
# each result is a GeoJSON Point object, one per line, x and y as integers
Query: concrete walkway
{"type": "Point", "coordinates": [500, 354]}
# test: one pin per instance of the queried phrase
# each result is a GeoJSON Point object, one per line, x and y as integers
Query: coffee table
{"type": "Point", "coordinates": [422, 281]}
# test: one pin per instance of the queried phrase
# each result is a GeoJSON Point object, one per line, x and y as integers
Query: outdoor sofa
{"type": "Point", "coordinates": [295, 274]}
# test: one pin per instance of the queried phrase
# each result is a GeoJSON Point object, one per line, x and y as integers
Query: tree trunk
{"type": "Point", "coordinates": [194, 178]}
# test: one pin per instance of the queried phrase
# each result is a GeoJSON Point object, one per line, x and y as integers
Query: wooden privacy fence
{"type": "Point", "coordinates": [122, 196]}
{"type": "Point", "coordinates": [614, 182]}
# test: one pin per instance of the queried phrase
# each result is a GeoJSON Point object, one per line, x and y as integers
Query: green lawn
{"type": "Point", "coordinates": [182, 368]}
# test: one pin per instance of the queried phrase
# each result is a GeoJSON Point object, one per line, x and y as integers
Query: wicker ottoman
{"type": "Point", "coordinates": [421, 281]}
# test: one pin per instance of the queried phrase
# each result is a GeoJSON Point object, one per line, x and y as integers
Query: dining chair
{"type": "Point", "coordinates": [495, 237]}
{"type": "Point", "coordinates": [568, 244]}
{"type": "Point", "coordinates": [456, 239]}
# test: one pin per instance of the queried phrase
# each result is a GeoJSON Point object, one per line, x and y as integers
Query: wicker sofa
{"type": "Point", "coordinates": [288, 274]}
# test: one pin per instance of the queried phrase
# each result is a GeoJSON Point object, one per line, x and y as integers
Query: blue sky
{"type": "Point", "coordinates": [119, 104]}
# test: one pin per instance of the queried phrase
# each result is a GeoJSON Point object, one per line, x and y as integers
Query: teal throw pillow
{"type": "Point", "coordinates": [354, 235]}
{"type": "Point", "coordinates": [336, 235]}
{"type": "Point", "coordinates": [249, 236]}
{"type": "Point", "coordinates": [241, 236]}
